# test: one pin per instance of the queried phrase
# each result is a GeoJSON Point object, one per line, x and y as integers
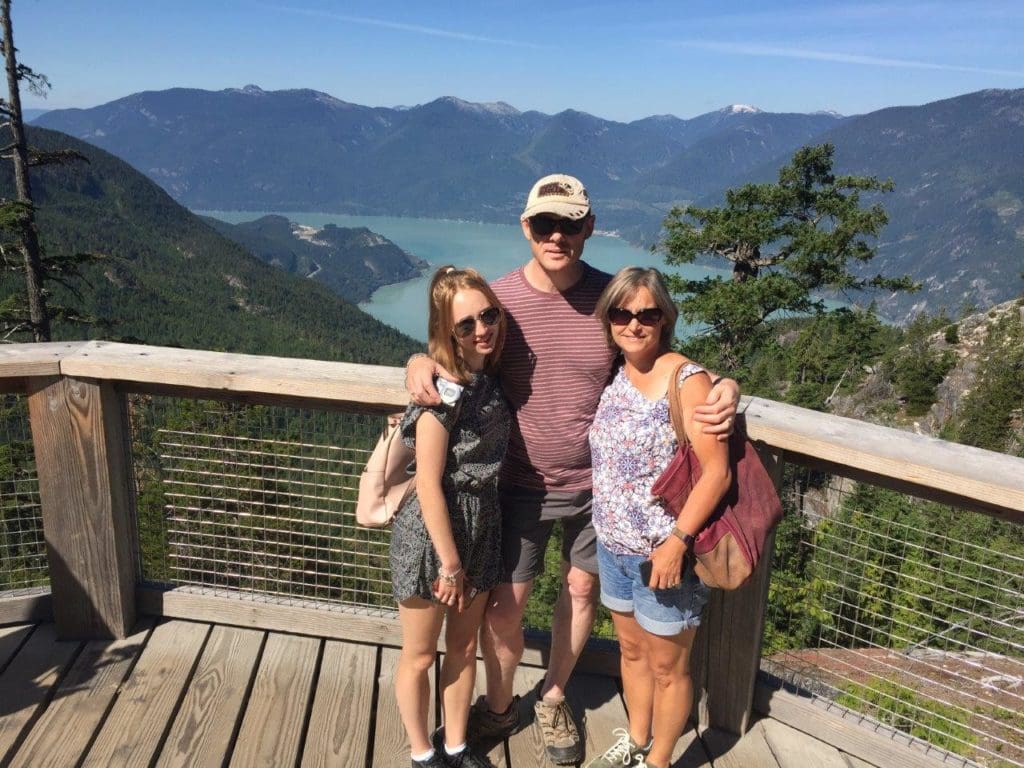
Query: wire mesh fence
{"type": "Point", "coordinates": [905, 611]}
{"type": "Point", "coordinates": [23, 566]}
{"type": "Point", "coordinates": [908, 612]}
{"type": "Point", "coordinates": [258, 501]}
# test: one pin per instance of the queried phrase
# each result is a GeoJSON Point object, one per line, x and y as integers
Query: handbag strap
{"type": "Point", "coordinates": [675, 411]}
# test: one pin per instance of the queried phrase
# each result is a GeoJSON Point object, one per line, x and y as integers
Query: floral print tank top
{"type": "Point", "coordinates": [631, 443]}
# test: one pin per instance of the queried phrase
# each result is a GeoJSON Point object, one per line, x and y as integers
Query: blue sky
{"type": "Point", "coordinates": [617, 60]}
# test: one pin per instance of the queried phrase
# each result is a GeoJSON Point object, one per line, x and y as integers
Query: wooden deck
{"type": "Point", "coordinates": [183, 693]}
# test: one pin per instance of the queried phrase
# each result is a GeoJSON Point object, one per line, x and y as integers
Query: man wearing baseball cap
{"type": "Point", "coordinates": [554, 366]}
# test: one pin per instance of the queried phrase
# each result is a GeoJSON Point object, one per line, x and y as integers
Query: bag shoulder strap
{"type": "Point", "coordinates": [675, 410]}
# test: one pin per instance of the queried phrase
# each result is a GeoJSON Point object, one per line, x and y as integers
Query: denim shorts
{"type": "Point", "coordinates": [664, 612]}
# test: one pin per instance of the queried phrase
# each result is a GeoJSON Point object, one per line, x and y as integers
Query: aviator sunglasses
{"type": "Point", "coordinates": [467, 325]}
{"type": "Point", "coordinates": [542, 226]}
{"type": "Point", "coordinates": [647, 316]}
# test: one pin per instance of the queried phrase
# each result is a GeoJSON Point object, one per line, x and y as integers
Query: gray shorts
{"type": "Point", "coordinates": [527, 519]}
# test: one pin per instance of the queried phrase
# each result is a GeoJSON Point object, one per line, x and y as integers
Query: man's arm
{"type": "Point", "coordinates": [718, 414]}
{"type": "Point", "coordinates": [419, 379]}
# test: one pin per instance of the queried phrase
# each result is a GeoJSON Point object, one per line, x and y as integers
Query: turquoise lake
{"type": "Point", "coordinates": [493, 249]}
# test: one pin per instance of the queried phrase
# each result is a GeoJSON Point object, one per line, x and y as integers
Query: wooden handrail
{"type": "Point", "coordinates": [917, 464]}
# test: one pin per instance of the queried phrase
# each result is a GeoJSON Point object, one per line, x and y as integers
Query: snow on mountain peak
{"type": "Point", "coordinates": [493, 108]}
{"type": "Point", "coordinates": [740, 109]}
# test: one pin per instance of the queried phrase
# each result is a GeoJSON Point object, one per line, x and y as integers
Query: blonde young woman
{"type": "Point", "coordinates": [445, 537]}
{"type": "Point", "coordinates": [631, 442]}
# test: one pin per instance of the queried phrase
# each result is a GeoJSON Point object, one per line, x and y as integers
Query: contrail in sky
{"type": "Point", "coordinates": [413, 28]}
{"type": "Point", "coordinates": [841, 58]}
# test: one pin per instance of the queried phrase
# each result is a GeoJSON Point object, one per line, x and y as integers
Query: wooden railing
{"type": "Point", "coordinates": [77, 397]}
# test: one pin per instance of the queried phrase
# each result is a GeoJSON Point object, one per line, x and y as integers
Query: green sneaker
{"type": "Point", "coordinates": [624, 752]}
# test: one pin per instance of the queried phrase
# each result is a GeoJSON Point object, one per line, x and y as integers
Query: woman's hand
{"type": "Point", "coordinates": [718, 413]}
{"type": "Point", "coordinates": [450, 592]}
{"type": "Point", "coordinates": [419, 379]}
{"type": "Point", "coordinates": [667, 568]}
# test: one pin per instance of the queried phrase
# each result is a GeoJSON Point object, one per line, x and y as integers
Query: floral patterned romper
{"type": "Point", "coordinates": [476, 445]}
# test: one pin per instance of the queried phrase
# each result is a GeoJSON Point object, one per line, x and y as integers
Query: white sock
{"type": "Point", "coordinates": [452, 751]}
{"type": "Point", "coordinates": [422, 758]}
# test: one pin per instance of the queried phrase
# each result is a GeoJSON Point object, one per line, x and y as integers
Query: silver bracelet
{"type": "Point", "coordinates": [449, 578]}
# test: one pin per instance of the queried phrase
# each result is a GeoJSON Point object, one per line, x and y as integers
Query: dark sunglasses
{"type": "Point", "coordinates": [542, 226]}
{"type": "Point", "coordinates": [467, 325]}
{"type": "Point", "coordinates": [646, 316]}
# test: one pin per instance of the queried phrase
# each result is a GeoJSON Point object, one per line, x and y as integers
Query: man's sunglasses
{"type": "Point", "coordinates": [646, 316]}
{"type": "Point", "coordinates": [467, 325]}
{"type": "Point", "coordinates": [542, 226]}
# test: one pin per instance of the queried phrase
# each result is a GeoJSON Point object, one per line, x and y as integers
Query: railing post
{"type": "Point", "coordinates": [79, 433]}
{"type": "Point", "coordinates": [727, 651]}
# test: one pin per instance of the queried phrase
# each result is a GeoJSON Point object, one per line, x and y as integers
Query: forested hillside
{"type": "Point", "coordinates": [167, 278]}
{"type": "Point", "coordinates": [352, 262]}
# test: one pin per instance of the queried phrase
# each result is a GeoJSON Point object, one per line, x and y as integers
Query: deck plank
{"type": "Point", "coordinates": [526, 748]}
{"type": "Point", "coordinates": [597, 705]}
{"type": "Point", "coordinates": [690, 751]}
{"type": "Point", "coordinates": [27, 682]}
{"type": "Point", "coordinates": [856, 762]}
{"type": "Point", "coordinates": [139, 718]}
{"type": "Point", "coordinates": [496, 754]}
{"type": "Point", "coordinates": [794, 750]}
{"type": "Point", "coordinates": [271, 732]}
{"type": "Point", "coordinates": [62, 733]}
{"type": "Point", "coordinates": [55, 695]}
{"type": "Point", "coordinates": [730, 751]}
{"type": "Point", "coordinates": [598, 699]}
{"type": "Point", "coordinates": [202, 732]}
{"type": "Point", "coordinates": [846, 732]}
{"type": "Point", "coordinates": [11, 639]}
{"type": "Point", "coordinates": [390, 745]}
{"type": "Point", "coordinates": [339, 725]}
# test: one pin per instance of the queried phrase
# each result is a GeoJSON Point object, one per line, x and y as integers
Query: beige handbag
{"type": "Point", "coordinates": [386, 480]}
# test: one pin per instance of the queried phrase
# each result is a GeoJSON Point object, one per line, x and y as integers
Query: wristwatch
{"type": "Point", "coordinates": [686, 538]}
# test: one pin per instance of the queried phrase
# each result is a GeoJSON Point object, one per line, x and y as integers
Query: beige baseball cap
{"type": "Point", "coordinates": [559, 195]}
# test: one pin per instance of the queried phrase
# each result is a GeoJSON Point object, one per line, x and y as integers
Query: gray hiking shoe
{"type": "Point", "coordinates": [624, 752]}
{"type": "Point", "coordinates": [558, 729]}
{"type": "Point", "coordinates": [488, 728]}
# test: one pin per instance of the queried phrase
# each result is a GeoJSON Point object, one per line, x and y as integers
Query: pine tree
{"type": "Point", "coordinates": [786, 243]}
{"type": "Point", "coordinates": [20, 249]}
{"type": "Point", "coordinates": [17, 218]}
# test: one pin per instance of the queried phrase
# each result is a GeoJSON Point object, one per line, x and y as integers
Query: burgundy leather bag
{"type": "Point", "coordinates": [730, 544]}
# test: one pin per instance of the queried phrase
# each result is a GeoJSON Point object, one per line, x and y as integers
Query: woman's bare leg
{"type": "Point", "coordinates": [421, 626]}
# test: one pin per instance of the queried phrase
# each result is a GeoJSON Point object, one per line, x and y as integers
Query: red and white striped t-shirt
{"type": "Point", "coordinates": [554, 367]}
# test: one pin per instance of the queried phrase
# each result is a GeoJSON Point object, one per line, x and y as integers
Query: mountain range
{"type": "Point", "coordinates": [249, 149]}
{"type": "Point", "coordinates": [956, 217]}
